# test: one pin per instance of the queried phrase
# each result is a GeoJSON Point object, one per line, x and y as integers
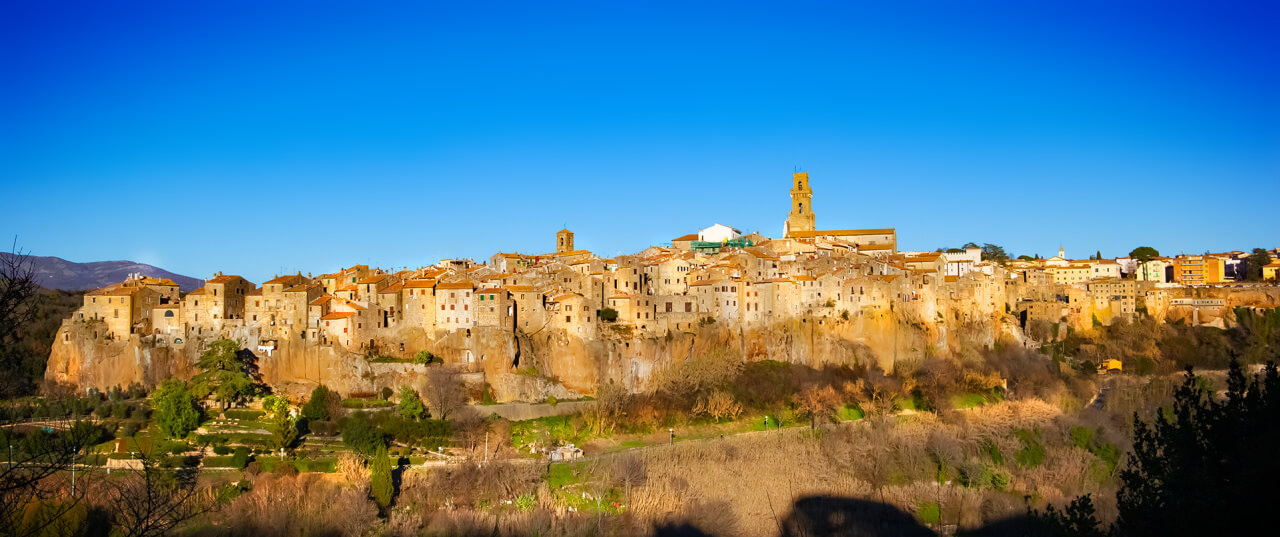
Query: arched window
{"type": "Point", "coordinates": [168, 313]}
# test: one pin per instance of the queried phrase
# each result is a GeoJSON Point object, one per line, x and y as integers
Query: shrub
{"type": "Point", "coordinates": [285, 468]}
{"type": "Point", "coordinates": [362, 436]}
{"type": "Point", "coordinates": [246, 415]}
{"type": "Point", "coordinates": [222, 450]}
{"type": "Point", "coordinates": [386, 393]}
{"type": "Point", "coordinates": [325, 428]}
{"type": "Point", "coordinates": [317, 408]}
{"type": "Point", "coordinates": [1082, 437]}
{"type": "Point", "coordinates": [607, 315]}
{"type": "Point", "coordinates": [410, 405]}
{"type": "Point", "coordinates": [241, 458]}
{"type": "Point", "coordinates": [1032, 452]}
{"type": "Point", "coordinates": [380, 481]}
{"type": "Point", "coordinates": [425, 357]}
{"type": "Point", "coordinates": [253, 468]}
{"type": "Point", "coordinates": [929, 512]}
{"type": "Point", "coordinates": [102, 410]}
{"type": "Point", "coordinates": [120, 410]}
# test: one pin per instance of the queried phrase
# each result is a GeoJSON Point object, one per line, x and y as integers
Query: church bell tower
{"type": "Point", "coordinates": [801, 217]}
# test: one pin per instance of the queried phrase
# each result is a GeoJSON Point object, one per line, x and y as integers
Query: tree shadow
{"type": "Point", "coordinates": [833, 515]}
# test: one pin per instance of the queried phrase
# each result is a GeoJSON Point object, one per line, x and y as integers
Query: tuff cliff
{"type": "Point", "coordinates": [530, 367]}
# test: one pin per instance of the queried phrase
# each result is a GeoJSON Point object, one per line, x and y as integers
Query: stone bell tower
{"type": "Point", "coordinates": [564, 241]}
{"type": "Point", "coordinates": [801, 217]}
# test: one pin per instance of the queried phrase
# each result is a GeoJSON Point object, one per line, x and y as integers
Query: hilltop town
{"type": "Point", "coordinates": [561, 322]}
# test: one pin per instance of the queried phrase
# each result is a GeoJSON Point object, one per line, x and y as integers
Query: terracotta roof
{"type": "Point", "coordinates": [225, 278]}
{"type": "Point", "coordinates": [197, 292]}
{"type": "Point", "coordinates": [419, 284]}
{"type": "Point", "coordinates": [620, 295]}
{"type": "Point", "coordinates": [255, 292]}
{"type": "Point", "coordinates": [392, 289]}
{"type": "Point", "coordinates": [333, 316]}
{"type": "Point", "coordinates": [148, 280]}
{"type": "Point", "coordinates": [301, 288]}
{"type": "Point", "coordinates": [491, 291]}
{"type": "Point", "coordinates": [287, 278]}
{"type": "Point", "coordinates": [348, 288]}
{"type": "Point", "coordinates": [167, 307]}
{"type": "Point", "coordinates": [465, 284]}
{"type": "Point", "coordinates": [520, 288]}
{"type": "Point", "coordinates": [700, 283]}
{"type": "Point", "coordinates": [689, 237]}
{"type": "Point", "coordinates": [840, 232]}
{"type": "Point", "coordinates": [321, 300]}
{"type": "Point", "coordinates": [875, 246]}
{"type": "Point", "coordinates": [373, 279]}
{"type": "Point", "coordinates": [564, 297]}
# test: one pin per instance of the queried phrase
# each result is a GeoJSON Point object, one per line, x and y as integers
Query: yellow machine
{"type": "Point", "coordinates": [1108, 366]}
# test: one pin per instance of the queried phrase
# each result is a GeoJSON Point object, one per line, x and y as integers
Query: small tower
{"type": "Point", "coordinates": [801, 217]}
{"type": "Point", "coordinates": [564, 241]}
{"type": "Point", "coordinates": [1061, 252]}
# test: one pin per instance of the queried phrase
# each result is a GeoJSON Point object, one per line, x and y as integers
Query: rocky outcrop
{"type": "Point", "coordinates": [528, 367]}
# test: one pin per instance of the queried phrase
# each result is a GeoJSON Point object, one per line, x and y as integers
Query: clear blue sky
{"type": "Point", "coordinates": [266, 137]}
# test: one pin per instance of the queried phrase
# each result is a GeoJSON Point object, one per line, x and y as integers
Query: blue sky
{"type": "Point", "coordinates": [258, 139]}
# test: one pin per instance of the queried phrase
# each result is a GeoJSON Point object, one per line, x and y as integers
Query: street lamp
{"type": "Point", "coordinates": [766, 423]}
{"type": "Point", "coordinates": [673, 435]}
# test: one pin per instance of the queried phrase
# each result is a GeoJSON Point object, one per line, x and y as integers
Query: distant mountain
{"type": "Point", "coordinates": [58, 273]}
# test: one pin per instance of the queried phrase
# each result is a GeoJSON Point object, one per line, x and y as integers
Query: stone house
{"type": "Point", "coordinates": [455, 305]}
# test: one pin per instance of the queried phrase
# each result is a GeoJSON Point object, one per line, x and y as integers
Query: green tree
{"type": "Point", "coordinates": [1144, 255]}
{"type": "Point", "coordinates": [175, 409]}
{"type": "Point", "coordinates": [1204, 468]}
{"type": "Point", "coordinates": [282, 425]}
{"type": "Point", "coordinates": [226, 373]}
{"type": "Point", "coordinates": [1253, 268]}
{"type": "Point", "coordinates": [380, 481]}
{"type": "Point", "coordinates": [990, 252]}
{"type": "Point", "coordinates": [317, 407]}
{"type": "Point", "coordinates": [362, 436]}
{"type": "Point", "coordinates": [607, 315]}
{"type": "Point", "coordinates": [410, 404]}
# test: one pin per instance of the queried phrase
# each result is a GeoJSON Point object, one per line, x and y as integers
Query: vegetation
{"type": "Point", "coordinates": [380, 477]}
{"type": "Point", "coordinates": [1196, 469]}
{"type": "Point", "coordinates": [176, 411]}
{"type": "Point", "coordinates": [409, 405]}
{"type": "Point", "coordinates": [227, 372]}
{"type": "Point", "coordinates": [323, 405]}
{"type": "Point", "coordinates": [1253, 267]}
{"type": "Point", "coordinates": [607, 314]}
{"type": "Point", "coordinates": [282, 425]}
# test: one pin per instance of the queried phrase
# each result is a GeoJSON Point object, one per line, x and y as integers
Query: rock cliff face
{"type": "Point", "coordinates": [530, 367]}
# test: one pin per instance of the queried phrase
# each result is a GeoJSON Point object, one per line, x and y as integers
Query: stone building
{"type": "Point", "coordinates": [801, 217]}
{"type": "Point", "coordinates": [564, 241]}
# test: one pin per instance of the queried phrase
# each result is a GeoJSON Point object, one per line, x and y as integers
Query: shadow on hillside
{"type": "Point", "coordinates": [823, 516]}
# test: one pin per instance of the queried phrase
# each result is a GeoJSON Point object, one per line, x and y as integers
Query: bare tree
{"type": "Point", "coordinates": [445, 391]}
{"type": "Point", "coordinates": [18, 295]}
{"type": "Point", "coordinates": [154, 501]}
{"type": "Point", "coordinates": [630, 471]}
{"type": "Point", "coordinates": [36, 473]}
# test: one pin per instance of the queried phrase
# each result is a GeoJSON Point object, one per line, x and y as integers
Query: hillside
{"type": "Point", "coordinates": [58, 273]}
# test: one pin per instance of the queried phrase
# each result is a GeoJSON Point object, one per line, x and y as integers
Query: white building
{"type": "Point", "coordinates": [959, 264]}
{"type": "Point", "coordinates": [718, 233]}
